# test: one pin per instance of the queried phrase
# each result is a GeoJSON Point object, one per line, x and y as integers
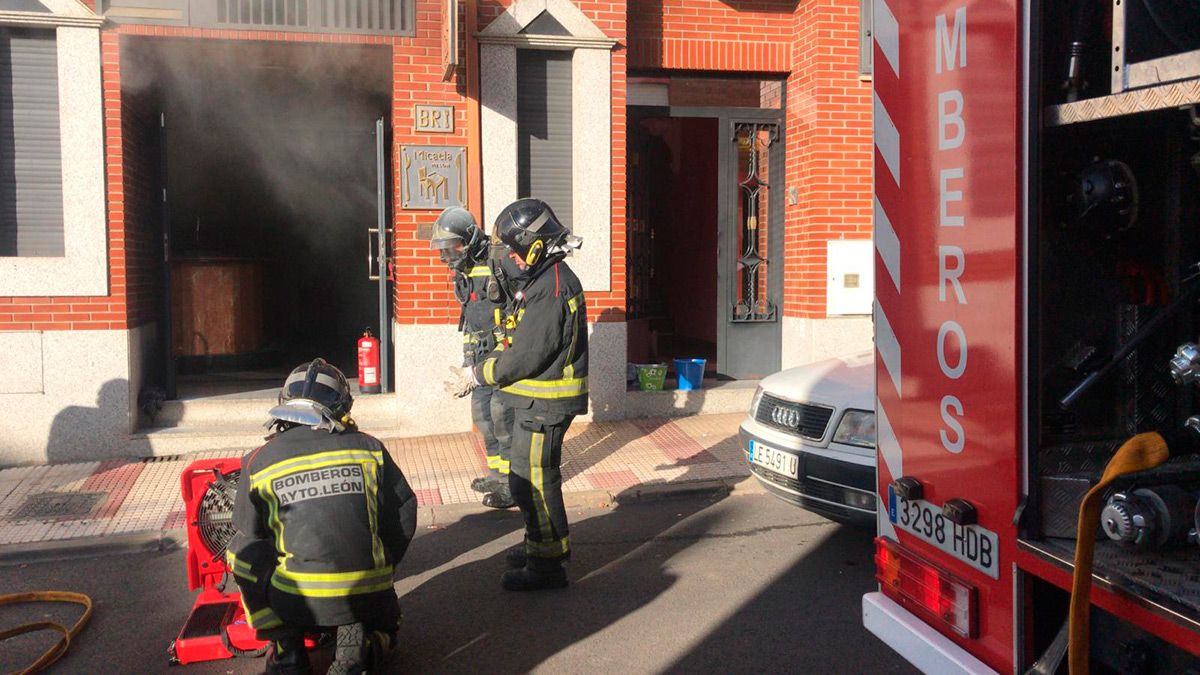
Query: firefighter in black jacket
{"type": "Point", "coordinates": [323, 516]}
{"type": "Point", "coordinates": [464, 248]}
{"type": "Point", "coordinates": [542, 373]}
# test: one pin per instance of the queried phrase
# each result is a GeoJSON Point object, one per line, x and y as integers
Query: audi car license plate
{"type": "Point", "coordinates": [778, 461]}
{"type": "Point", "coordinates": [977, 546]}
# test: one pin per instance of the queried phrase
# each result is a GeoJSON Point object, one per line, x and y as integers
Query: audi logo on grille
{"type": "Point", "coordinates": [786, 417]}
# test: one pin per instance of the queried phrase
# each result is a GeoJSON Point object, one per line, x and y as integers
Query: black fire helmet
{"type": "Point", "coordinates": [529, 228]}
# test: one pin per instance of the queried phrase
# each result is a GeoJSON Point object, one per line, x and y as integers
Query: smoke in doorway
{"type": "Point", "coordinates": [288, 124]}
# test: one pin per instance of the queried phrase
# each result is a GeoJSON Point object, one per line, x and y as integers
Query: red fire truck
{"type": "Point", "coordinates": [1037, 233]}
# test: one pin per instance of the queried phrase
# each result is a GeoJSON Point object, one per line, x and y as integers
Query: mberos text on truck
{"type": "Point", "coordinates": [1037, 235]}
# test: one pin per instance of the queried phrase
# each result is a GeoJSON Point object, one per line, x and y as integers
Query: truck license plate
{"type": "Point", "coordinates": [778, 461]}
{"type": "Point", "coordinates": [977, 546]}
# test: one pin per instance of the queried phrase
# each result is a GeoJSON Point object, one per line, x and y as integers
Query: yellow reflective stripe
{"type": "Point", "coordinates": [274, 522]}
{"type": "Point", "coordinates": [263, 619]}
{"type": "Point", "coordinates": [245, 575]}
{"type": "Point", "coordinates": [242, 569]}
{"type": "Point", "coordinates": [377, 555]}
{"type": "Point", "coordinates": [479, 271]}
{"type": "Point", "coordinates": [569, 370]}
{"type": "Point", "coordinates": [556, 548]}
{"type": "Point", "coordinates": [469, 339]}
{"type": "Point", "coordinates": [536, 446]}
{"type": "Point", "coordinates": [555, 384]}
{"type": "Point", "coordinates": [549, 389]}
{"type": "Point", "coordinates": [333, 592]}
{"type": "Point", "coordinates": [575, 303]}
{"type": "Point", "coordinates": [520, 314]}
{"type": "Point", "coordinates": [337, 577]}
{"type": "Point", "coordinates": [489, 371]}
{"type": "Point", "coordinates": [331, 455]}
{"type": "Point", "coordinates": [314, 461]}
{"type": "Point", "coordinates": [332, 584]}
{"type": "Point", "coordinates": [503, 467]}
{"type": "Point", "coordinates": [497, 316]}
{"type": "Point", "coordinates": [494, 461]}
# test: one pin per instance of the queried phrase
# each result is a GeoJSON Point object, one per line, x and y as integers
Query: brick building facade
{"type": "Point", "coordinates": [92, 344]}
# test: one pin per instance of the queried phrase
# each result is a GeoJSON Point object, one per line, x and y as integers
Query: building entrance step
{"type": "Point", "coordinates": [180, 440]}
{"type": "Point", "coordinates": [370, 411]}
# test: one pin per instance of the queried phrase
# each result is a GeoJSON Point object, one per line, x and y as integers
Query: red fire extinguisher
{"type": "Point", "coordinates": [368, 363]}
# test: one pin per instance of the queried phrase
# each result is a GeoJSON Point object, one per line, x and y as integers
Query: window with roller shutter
{"type": "Point", "coordinates": [31, 193]}
{"type": "Point", "coordinates": [544, 129]}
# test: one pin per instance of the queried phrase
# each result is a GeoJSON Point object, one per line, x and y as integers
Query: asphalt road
{"type": "Point", "coordinates": [740, 584]}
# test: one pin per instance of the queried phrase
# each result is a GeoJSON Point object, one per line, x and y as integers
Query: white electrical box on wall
{"type": "Point", "coordinates": [851, 279]}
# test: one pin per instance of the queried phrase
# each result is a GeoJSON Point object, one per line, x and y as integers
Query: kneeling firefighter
{"type": "Point", "coordinates": [542, 375]}
{"type": "Point", "coordinates": [464, 248]}
{"type": "Point", "coordinates": [323, 516]}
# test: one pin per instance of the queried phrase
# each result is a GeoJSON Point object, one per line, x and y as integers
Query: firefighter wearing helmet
{"type": "Point", "coordinates": [464, 248]}
{"type": "Point", "coordinates": [542, 375]}
{"type": "Point", "coordinates": [323, 516]}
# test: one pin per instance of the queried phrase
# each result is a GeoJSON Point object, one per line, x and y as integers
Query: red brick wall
{"type": "Point", "coordinates": [142, 209]}
{"type": "Point", "coordinates": [610, 17]}
{"type": "Point", "coordinates": [423, 288]}
{"type": "Point", "coordinates": [752, 35]}
{"type": "Point", "coordinates": [829, 148]}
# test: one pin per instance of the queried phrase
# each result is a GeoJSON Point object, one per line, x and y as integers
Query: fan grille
{"type": "Point", "coordinates": [214, 519]}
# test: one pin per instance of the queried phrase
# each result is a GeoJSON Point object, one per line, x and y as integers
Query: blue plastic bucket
{"type": "Point", "coordinates": [690, 372]}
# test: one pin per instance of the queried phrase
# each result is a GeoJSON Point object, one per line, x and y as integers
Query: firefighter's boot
{"type": "Point", "coordinates": [538, 574]}
{"type": "Point", "coordinates": [379, 649]}
{"type": "Point", "coordinates": [493, 481]}
{"type": "Point", "coordinates": [350, 655]}
{"type": "Point", "coordinates": [500, 498]}
{"type": "Point", "coordinates": [515, 557]}
{"type": "Point", "coordinates": [288, 656]}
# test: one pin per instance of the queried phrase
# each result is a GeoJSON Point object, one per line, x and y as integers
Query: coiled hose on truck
{"type": "Point", "coordinates": [1144, 451]}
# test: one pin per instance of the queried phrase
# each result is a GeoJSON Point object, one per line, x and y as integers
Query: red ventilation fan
{"type": "Point", "coordinates": [216, 628]}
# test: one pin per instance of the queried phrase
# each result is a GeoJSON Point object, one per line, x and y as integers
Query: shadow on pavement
{"type": "Point", "coordinates": [463, 622]}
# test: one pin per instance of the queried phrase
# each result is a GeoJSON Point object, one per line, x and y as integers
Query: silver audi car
{"type": "Point", "coordinates": [810, 437]}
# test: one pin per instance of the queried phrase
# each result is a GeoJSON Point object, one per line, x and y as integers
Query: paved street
{"type": "Point", "coordinates": [741, 583]}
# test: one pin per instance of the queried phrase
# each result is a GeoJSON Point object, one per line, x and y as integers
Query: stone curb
{"type": "Point", "coordinates": [168, 540]}
{"type": "Point", "coordinates": [97, 545]}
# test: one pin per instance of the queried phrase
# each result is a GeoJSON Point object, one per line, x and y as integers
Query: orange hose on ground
{"type": "Point", "coordinates": [56, 652]}
{"type": "Point", "coordinates": [1144, 451]}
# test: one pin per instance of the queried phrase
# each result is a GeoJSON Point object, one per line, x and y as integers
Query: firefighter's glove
{"type": "Point", "coordinates": [462, 382]}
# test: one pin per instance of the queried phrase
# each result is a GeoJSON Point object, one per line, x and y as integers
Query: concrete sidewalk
{"type": "Point", "coordinates": [46, 506]}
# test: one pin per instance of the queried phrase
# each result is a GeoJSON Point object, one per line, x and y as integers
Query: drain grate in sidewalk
{"type": "Point", "coordinates": [58, 505]}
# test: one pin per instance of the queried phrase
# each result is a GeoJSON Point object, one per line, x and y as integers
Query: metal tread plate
{"type": "Point", "coordinates": [1160, 97]}
{"type": "Point", "coordinates": [1169, 578]}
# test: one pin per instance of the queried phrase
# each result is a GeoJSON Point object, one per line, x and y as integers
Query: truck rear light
{"type": "Point", "coordinates": [929, 591]}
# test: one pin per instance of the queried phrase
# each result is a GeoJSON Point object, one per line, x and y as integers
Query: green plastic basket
{"type": "Point", "coordinates": [651, 376]}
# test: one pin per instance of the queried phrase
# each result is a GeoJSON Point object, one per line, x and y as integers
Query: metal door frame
{"type": "Point", "coordinates": [727, 166]}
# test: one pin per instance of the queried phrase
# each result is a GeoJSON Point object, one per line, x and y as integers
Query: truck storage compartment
{"type": "Point", "coordinates": [1113, 282]}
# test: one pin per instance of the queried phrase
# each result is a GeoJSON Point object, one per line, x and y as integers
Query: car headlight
{"type": "Point", "coordinates": [758, 394]}
{"type": "Point", "coordinates": [856, 428]}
